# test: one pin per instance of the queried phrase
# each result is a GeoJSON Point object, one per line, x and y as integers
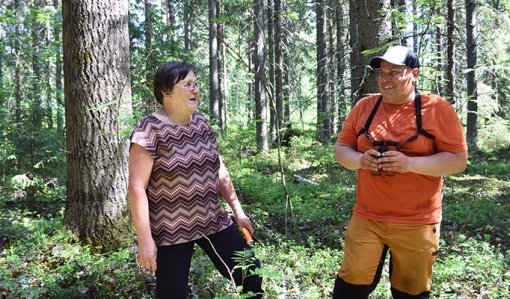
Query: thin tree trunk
{"type": "Point", "coordinates": [279, 63]}
{"type": "Point", "coordinates": [472, 91]}
{"type": "Point", "coordinates": [214, 108]}
{"type": "Point", "coordinates": [340, 63]}
{"type": "Point", "coordinates": [439, 56]}
{"type": "Point", "coordinates": [36, 84]}
{"type": "Point", "coordinates": [323, 123]}
{"type": "Point", "coordinates": [271, 64]}
{"type": "Point", "coordinates": [415, 28]}
{"type": "Point", "coordinates": [259, 63]}
{"type": "Point", "coordinates": [58, 76]}
{"type": "Point", "coordinates": [170, 13]}
{"type": "Point", "coordinates": [97, 86]}
{"type": "Point", "coordinates": [151, 104]}
{"type": "Point", "coordinates": [332, 76]}
{"type": "Point", "coordinates": [222, 73]}
{"type": "Point", "coordinates": [188, 26]}
{"type": "Point", "coordinates": [48, 75]}
{"type": "Point", "coordinates": [450, 53]}
{"type": "Point", "coordinates": [18, 93]}
{"type": "Point", "coordinates": [402, 10]}
{"type": "Point", "coordinates": [286, 84]}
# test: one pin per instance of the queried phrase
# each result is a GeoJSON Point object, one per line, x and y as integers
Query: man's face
{"type": "Point", "coordinates": [396, 82]}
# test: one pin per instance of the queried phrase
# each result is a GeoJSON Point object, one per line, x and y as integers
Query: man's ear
{"type": "Point", "coordinates": [415, 72]}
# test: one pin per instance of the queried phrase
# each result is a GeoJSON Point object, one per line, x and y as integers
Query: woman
{"type": "Point", "coordinates": [175, 179]}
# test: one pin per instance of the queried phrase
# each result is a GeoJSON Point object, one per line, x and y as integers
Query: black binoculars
{"type": "Point", "coordinates": [383, 146]}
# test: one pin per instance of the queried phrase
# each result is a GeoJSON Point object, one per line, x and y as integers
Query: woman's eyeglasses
{"type": "Point", "coordinates": [192, 86]}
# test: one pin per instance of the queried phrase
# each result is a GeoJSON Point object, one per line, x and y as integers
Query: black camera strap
{"type": "Point", "coordinates": [419, 130]}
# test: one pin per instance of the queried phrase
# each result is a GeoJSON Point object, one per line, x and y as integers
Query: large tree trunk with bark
{"type": "Point", "coordinates": [96, 89]}
{"type": "Point", "coordinates": [368, 26]}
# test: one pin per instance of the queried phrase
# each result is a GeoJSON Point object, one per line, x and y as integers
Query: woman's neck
{"type": "Point", "coordinates": [174, 117]}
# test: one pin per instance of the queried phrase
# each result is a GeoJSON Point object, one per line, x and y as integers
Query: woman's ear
{"type": "Point", "coordinates": [165, 93]}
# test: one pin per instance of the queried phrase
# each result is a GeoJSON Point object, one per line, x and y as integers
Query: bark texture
{"type": "Point", "coordinates": [96, 89]}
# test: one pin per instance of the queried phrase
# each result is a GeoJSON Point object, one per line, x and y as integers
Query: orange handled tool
{"type": "Point", "coordinates": [247, 236]}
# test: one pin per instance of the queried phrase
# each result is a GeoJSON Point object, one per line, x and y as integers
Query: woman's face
{"type": "Point", "coordinates": [184, 96]}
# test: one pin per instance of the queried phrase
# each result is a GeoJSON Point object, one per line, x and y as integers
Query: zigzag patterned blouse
{"type": "Point", "coordinates": [183, 190]}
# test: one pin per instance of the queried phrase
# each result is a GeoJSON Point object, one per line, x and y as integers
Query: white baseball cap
{"type": "Point", "coordinates": [398, 55]}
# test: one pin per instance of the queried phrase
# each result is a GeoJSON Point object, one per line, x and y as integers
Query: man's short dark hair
{"type": "Point", "coordinates": [167, 75]}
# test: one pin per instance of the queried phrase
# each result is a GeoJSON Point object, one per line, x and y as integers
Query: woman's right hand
{"type": "Point", "coordinates": [147, 254]}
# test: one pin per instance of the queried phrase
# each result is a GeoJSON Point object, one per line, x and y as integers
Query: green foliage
{"type": "Point", "coordinates": [495, 135]}
{"type": "Point", "coordinates": [45, 261]}
{"type": "Point", "coordinates": [469, 268]}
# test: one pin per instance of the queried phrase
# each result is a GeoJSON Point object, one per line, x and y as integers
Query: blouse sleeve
{"type": "Point", "coordinates": [145, 135]}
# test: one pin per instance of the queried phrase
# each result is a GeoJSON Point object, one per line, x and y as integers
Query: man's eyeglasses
{"type": "Point", "coordinates": [192, 86]}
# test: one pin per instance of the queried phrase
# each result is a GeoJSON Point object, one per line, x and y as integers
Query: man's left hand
{"type": "Point", "coordinates": [395, 161]}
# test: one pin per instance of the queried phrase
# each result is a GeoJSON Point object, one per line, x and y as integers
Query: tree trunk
{"type": "Point", "coordinates": [222, 72]}
{"type": "Point", "coordinates": [258, 64]}
{"type": "Point", "coordinates": [402, 10]}
{"type": "Point", "coordinates": [48, 75]}
{"type": "Point", "coordinates": [323, 121]}
{"type": "Point", "coordinates": [340, 63]}
{"type": "Point", "coordinates": [214, 108]}
{"type": "Point", "coordinates": [278, 57]}
{"type": "Point", "coordinates": [439, 54]}
{"type": "Point", "coordinates": [151, 104]}
{"type": "Point", "coordinates": [58, 76]}
{"type": "Point", "coordinates": [271, 64]}
{"type": "Point", "coordinates": [97, 88]}
{"type": "Point", "coordinates": [415, 27]}
{"type": "Point", "coordinates": [333, 99]}
{"type": "Point", "coordinates": [286, 82]}
{"type": "Point", "coordinates": [36, 112]}
{"type": "Point", "coordinates": [188, 26]}
{"type": "Point", "coordinates": [449, 91]}
{"type": "Point", "coordinates": [18, 93]}
{"type": "Point", "coordinates": [472, 92]}
{"type": "Point", "coordinates": [2, 65]}
{"type": "Point", "coordinates": [170, 13]}
{"type": "Point", "coordinates": [367, 29]}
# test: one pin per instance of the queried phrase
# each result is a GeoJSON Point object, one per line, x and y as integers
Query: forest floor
{"type": "Point", "coordinates": [299, 238]}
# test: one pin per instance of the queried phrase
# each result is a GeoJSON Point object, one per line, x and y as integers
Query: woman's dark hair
{"type": "Point", "coordinates": [167, 75]}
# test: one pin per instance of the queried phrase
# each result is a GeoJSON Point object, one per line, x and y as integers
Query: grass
{"type": "Point", "coordinates": [300, 252]}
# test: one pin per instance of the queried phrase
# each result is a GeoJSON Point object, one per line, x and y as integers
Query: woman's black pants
{"type": "Point", "coordinates": [173, 263]}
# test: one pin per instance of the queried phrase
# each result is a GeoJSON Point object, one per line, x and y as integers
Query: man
{"type": "Point", "coordinates": [402, 143]}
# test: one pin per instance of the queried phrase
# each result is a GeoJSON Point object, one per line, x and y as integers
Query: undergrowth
{"type": "Point", "coordinates": [300, 251]}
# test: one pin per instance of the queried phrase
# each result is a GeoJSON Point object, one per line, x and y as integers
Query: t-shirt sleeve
{"type": "Point", "coordinates": [349, 134]}
{"type": "Point", "coordinates": [144, 135]}
{"type": "Point", "coordinates": [451, 136]}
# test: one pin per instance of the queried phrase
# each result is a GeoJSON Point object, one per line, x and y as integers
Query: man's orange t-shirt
{"type": "Point", "coordinates": [404, 197]}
